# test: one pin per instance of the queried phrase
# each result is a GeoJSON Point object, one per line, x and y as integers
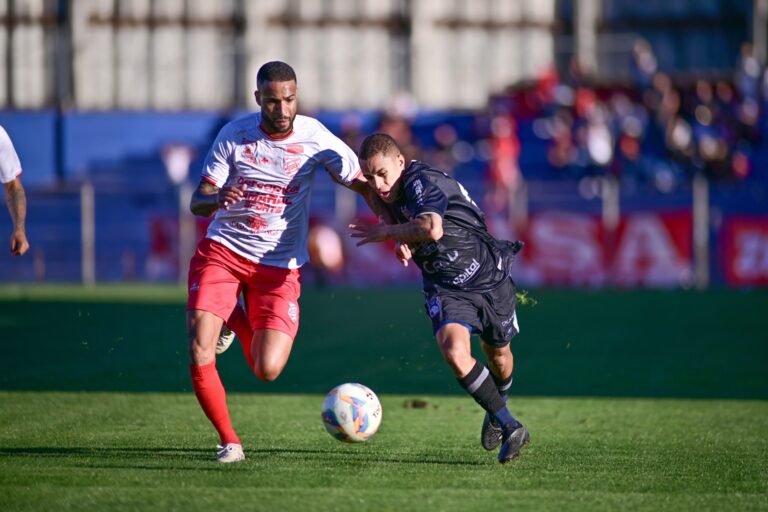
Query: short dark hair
{"type": "Point", "coordinates": [275, 71]}
{"type": "Point", "coordinates": [378, 143]}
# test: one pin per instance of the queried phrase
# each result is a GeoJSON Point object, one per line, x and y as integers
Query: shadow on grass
{"type": "Point", "coordinates": [57, 451]}
{"type": "Point", "coordinates": [361, 457]}
{"type": "Point", "coordinates": [110, 455]}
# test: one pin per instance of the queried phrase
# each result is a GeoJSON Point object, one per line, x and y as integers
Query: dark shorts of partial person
{"type": "Point", "coordinates": [488, 314]}
{"type": "Point", "coordinates": [217, 276]}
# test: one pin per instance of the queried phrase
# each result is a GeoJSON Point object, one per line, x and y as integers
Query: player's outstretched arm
{"type": "Point", "coordinates": [424, 228]}
{"type": "Point", "coordinates": [17, 206]}
{"type": "Point", "coordinates": [374, 202]}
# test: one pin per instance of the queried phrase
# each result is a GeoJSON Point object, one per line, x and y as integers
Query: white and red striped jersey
{"type": "Point", "coordinates": [10, 167]}
{"type": "Point", "coordinates": [270, 224]}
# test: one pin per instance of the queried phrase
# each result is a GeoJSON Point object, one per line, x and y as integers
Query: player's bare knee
{"type": "Point", "coordinates": [498, 360]}
{"type": "Point", "coordinates": [267, 373]}
{"type": "Point", "coordinates": [456, 358]}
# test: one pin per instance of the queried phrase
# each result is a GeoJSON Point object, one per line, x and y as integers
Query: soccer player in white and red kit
{"type": "Point", "coordinates": [257, 179]}
{"type": "Point", "coordinates": [10, 177]}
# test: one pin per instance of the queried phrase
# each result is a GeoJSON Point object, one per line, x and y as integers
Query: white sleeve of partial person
{"type": "Point", "coordinates": [339, 159]}
{"type": "Point", "coordinates": [219, 159]}
{"type": "Point", "coordinates": [10, 166]}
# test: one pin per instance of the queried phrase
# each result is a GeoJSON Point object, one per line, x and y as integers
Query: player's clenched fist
{"type": "Point", "coordinates": [19, 243]}
{"type": "Point", "coordinates": [229, 195]}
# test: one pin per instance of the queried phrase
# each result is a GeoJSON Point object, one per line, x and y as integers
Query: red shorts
{"type": "Point", "coordinates": [217, 275]}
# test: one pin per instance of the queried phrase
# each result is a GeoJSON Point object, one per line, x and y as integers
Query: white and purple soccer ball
{"type": "Point", "coordinates": [351, 412]}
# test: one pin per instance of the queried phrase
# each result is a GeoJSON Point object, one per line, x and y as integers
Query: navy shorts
{"type": "Point", "coordinates": [488, 314]}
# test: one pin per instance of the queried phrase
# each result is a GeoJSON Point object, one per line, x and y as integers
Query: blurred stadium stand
{"type": "Point", "coordinates": [568, 121]}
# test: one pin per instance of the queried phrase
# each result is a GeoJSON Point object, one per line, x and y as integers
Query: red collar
{"type": "Point", "coordinates": [275, 137]}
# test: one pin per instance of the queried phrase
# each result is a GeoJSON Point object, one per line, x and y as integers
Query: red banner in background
{"type": "Point", "coordinates": [653, 249]}
{"type": "Point", "coordinates": [745, 251]}
{"type": "Point", "coordinates": [570, 249]}
{"type": "Point", "coordinates": [562, 249]}
{"type": "Point", "coordinates": [648, 249]}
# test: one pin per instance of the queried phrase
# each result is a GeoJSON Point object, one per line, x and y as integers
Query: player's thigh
{"type": "Point", "coordinates": [454, 340]}
{"type": "Point", "coordinates": [457, 308]}
{"type": "Point", "coordinates": [271, 350]}
{"type": "Point", "coordinates": [272, 300]}
{"type": "Point", "coordinates": [214, 280]}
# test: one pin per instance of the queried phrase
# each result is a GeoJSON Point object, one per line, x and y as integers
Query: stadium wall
{"type": "Point", "coordinates": [137, 208]}
{"type": "Point", "coordinates": [571, 343]}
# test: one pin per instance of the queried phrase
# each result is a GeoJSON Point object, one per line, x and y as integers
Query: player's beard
{"type": "Point", "coordinates": [274, 128]}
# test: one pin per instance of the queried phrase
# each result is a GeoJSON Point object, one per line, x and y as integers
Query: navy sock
{"type": "Point", "coordinates": [508, 422]}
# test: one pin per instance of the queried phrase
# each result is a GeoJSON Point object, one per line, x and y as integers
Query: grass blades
{"type": "Point", "coordinates": [125, 452]}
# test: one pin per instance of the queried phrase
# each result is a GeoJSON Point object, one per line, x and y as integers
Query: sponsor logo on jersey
{"type": "Point", "coordinates": [295, 149]}
{"type": "Point", "coordinates": [293, 311]}
{"type": "Point", "coordinates": [467, 274]}
{"type": "Point", "coordinates": [433, 267]}
{"type": "Point", "coordinates": [418, 189]}
{"type": "Point", "coordinates": [433, 306]}
{"type": "Point", "coordinates": [256, 222]}
{"type": "Point", "coordinates": [510, 325]}
{"type": "Point", "coordinates": [291, 166]}
{"type": "Point", "coordinates": [249, 154]}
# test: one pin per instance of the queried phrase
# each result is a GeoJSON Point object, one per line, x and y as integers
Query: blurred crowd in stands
{"type": "Point", "coordinates": [652, 131]}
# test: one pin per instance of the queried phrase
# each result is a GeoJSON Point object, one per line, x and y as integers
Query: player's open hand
{"type": "Point", "coordinates": [19, 243]}
{"type": "Point", "coordinates": [229, 195]}
{"type": "Point", "coordinates": [403, 253]}
{"type": "Point", "coordinates": [369, 233]}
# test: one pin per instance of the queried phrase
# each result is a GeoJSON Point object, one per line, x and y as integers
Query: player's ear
{"type": "Point", "coordinates": [257, 96]}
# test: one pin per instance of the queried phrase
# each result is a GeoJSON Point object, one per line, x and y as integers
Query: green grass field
{"type": "Point", "coordinates": [644, 400]}
{"type": "Point", "coordinates": [118, 451]}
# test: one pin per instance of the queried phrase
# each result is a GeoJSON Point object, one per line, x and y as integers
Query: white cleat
{"type": "Point", "coordinates": [230, 452]}
{"type": "Point", "coordinates": [226, 337]}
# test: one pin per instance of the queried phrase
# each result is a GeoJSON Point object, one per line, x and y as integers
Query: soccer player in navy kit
{"type": "Point", "coordinates": [466, 278]}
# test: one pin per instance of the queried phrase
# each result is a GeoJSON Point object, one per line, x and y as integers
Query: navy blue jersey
{"type": "Point", "coordinates": [467, 257]}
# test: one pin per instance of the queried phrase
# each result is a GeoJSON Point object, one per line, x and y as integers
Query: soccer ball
{"type": "Point", "coordinates": [351, 412]}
